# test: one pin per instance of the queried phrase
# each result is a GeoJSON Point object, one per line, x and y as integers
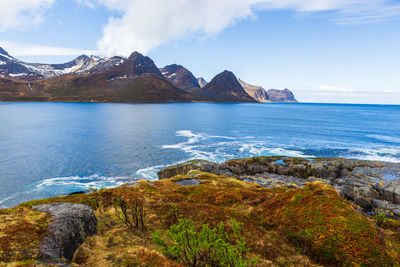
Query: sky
{"type": "Point", "coordinates": [334, 51]}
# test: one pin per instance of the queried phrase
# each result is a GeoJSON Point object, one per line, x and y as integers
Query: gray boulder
{"type": "Point", "coordinates": [391, 191]}
{"type": "Point", "coordinates": [70, 225]}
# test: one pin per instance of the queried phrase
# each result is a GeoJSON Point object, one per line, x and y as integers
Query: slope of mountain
{"type": "Point", "coordinates": [180, 77]}
{"type": "Point", "coordinates": [13, 68]}
{"type": "Point", "coordinates": [284, 95]}
{"type": "Point", "coordinates": [201, 81]}
{"type": "Point", "coordinates": [223, 88]}
{"type": "Point", "coordinates": [98, 87]}
{"type": "Point", "coordinates": [256, 92]}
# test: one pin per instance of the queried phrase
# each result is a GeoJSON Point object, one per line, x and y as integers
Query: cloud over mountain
{"type": "Point", "coordinates": [144, 25]}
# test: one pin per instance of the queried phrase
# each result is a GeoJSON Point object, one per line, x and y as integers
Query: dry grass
{"type": "Point", "coordinates": [282, 227]}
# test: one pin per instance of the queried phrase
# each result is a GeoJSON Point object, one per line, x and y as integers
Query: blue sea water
{"type": "Point", "coordinates": [48, 149]}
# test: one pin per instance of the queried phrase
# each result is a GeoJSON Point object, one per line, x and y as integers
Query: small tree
{"type": "Point", "coordinates": [210, 246]}
{"type": "Point", "coordinates": [129, 208]}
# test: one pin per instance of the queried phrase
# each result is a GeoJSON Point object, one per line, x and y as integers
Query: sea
{"type": "Point", "coordinates": [52, 149]}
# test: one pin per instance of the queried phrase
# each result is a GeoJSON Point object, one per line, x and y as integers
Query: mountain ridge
{"type": "Point", "coordinates": [114, 79]}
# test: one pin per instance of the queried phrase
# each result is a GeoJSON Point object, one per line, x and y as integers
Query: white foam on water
{"type": "Point", "coordinates": [203, 146]}
{"type": "Point", "coordinates": [82, 183]}
{"type": "Point", "coordinates": [383, 154]}
{"type": "Point", "coordinates": [384, 138]}
{"type": "Point", "coordinates": [150, 172]}
{"type": "Point", "coordinates": [5, 199]}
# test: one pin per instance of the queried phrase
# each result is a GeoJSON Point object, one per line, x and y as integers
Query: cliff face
{"type": "Point", "coordinates": [256, 92]}
{"type": "Point", "coordinates": [306, 224]}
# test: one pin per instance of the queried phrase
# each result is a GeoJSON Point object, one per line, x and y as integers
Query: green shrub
{"type": "Point", "coordinates": [380, 218]}
{"type": "Point", "coordinates": [208, 247]}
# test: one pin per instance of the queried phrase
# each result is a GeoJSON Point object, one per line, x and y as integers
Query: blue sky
{"type": "Point", "coordinates": [324, 50]}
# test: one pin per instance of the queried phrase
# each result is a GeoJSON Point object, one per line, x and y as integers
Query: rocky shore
{"type": "Point", "coordinates": [294, 212]}
{"type": "Point", "coordinates": [372, 185]}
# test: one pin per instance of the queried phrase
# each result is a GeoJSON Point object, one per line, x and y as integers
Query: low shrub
{"type": "Point", "coordinates": [209, 246]}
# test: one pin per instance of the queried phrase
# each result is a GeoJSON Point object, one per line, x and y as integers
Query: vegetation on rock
{"type": "Point", "coordinates": [281, 226]}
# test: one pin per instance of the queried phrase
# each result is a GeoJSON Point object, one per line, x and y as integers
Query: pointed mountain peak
{"type": "Point", "coordinates": [226, 77]}
{"type": "Point", "coordinates": [83, 56]}
{"type": "Point", "coordinates": [135, 55]}
{"type": "Point", "coordinates": [142, 64]}
{"type": "Point", "coordinates": [225, 88]}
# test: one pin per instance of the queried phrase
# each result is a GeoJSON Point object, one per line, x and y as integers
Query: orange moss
{"type": "Point", "coordinates": [21, 231]}
{"type": "Point", "coordinates": [277, 222]}
{"type": "Point", "coordinates": [327, 227]}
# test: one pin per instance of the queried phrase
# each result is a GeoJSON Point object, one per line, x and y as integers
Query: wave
{"type": "Point", "coordinates": [382, 154]}
{"type": "Point", "coordinates": [77, 183]}
{"type": "Point", "coordinates": [210, 147]}
{"type": "Point", "coordinates": [384, 138]}
{"type": "Point", "coordinates": [150, 173]}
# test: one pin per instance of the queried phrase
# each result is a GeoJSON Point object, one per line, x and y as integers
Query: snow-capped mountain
{"type": "Point", "coordinates": [13, 68]}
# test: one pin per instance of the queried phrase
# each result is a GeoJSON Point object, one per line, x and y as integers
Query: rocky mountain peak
{"type": "Point", "coordinates": [180, 77]}
{"type": "Point", "coordinates": [225, 88]}
{"type": "Point", "coordinates": [224, 80]}
{"type": "Point", "coordinates": [142, 64]}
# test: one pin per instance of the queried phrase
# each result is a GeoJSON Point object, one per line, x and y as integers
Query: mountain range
{"type": "Point", "coordinates": [121, 79]}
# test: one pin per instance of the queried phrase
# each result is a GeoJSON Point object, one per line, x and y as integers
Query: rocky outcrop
{"type": "Point", "coordinates": [372, 185]}
{"type": "Point", "coordinates": [284, 95]}
{"type": "Point", "coordinates": [184, 168]}
{"type": "Point", "coordinates": [70, 225]}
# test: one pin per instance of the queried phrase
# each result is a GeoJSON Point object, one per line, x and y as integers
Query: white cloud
{"type": "Point", "coordinates": [335, 89]}
{"type": "Point", "coordinates": [19, 13]}
{"type": "Point", "coordinates": [145, 24]}
{"type": "Point", "coordinates": [16, 50]}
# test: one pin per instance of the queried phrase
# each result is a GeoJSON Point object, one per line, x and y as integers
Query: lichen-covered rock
{"type": "Point", "coordinates": [70, 225]}
{"type": "Point", "coordinates": [360, 181]}
{"type": "Point", "coordinates": [184, 168]}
